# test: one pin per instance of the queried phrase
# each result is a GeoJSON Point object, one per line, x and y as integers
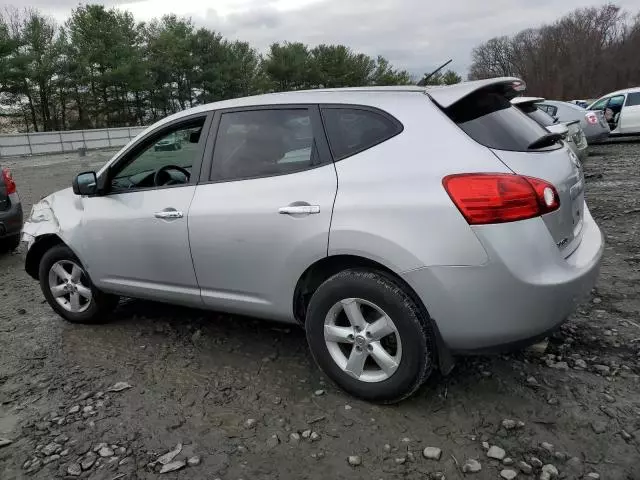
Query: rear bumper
{"type": "Point", "coordinates": [525, 290]}
{"type": "Point", "coordinates": [11, 219]}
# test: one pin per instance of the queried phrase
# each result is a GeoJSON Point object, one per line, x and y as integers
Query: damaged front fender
{"type": "Point", "coordinates": [55, 219]}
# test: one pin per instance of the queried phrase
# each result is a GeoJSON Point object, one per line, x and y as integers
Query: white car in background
{"type": "Point", "coordinates": [571, 132]}
{"type": "Point", "coordinates": [622, 111]}
{"type": "Point", "coordinates": [593, 123]}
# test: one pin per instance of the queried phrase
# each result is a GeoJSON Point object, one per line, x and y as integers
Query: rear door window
{"type": "Point", "coordinates": [352, 130]}
{"type": "Point", "coordinates": [633, 99]}
{"type": "Point", "coordinates": [490, 119]}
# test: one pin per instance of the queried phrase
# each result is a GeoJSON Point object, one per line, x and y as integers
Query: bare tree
{"type": "Point", "coordinates": [582, 55]}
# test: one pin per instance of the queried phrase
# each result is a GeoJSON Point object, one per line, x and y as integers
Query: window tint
{"type": "Point", "coordinates": [633, 99]}
{"type": "Point", "coordinates": [550, 109]}
{"type": "Point", "coordinates": [351, 130]}
{"type": "Point", "coordinates": [176, 146]}
{"type": "Point", "coordinates": [540, 117]}
{"type": "Point", "coordinates": [490, 119]}
{"type": "Point", "coordinates": [615, 102]}
{"type": "Point", "coordinates": [263, 142]}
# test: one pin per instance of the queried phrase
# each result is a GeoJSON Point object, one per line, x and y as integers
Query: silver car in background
{"type": "Point", "coordinates": [593, 123]}
{"type": "Point", "coordinates": [393, 245]}
{"type": "Point", "coordinates": [569, 131]}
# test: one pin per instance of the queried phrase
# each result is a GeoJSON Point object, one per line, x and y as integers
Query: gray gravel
{"type": "Point", "coordinates": [200, 389]}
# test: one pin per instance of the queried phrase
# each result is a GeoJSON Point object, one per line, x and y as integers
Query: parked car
{"type": "Point", "coordinates": [580, 103]}
{"type": "Point", "coordinates": [172, 142]}
{"type": "Point", "coordinates": [393, 245]}
{"type": "Point", "coordinates": [10, 212]}
{"type": "Point", "coordinates": [593, 123]}
{"type": "Point", "coordinates": [621, 110]}
{"type": "Point", "coordinates": [569, 131]}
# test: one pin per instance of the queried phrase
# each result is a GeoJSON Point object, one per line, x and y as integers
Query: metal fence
{"type": "Point", "coordinates": [70, 141]}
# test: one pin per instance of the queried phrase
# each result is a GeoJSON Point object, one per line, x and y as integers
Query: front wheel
{"type": "Point", "coordinates": [369, 336]}
{"type": "Point", "coordinates": [68, 290]}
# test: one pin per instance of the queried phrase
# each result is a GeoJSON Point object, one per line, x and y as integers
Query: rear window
{"type": "Point", "coordinates": [633, 99]}
{"type": "Point", "coordinates": [491, 120]}
{"type": "Point", "coordinates": [540, 117]}
{"type": "Point", "coordinates": [352, 130]}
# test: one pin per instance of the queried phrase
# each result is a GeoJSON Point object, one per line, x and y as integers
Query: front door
{"type": "Point", "coordinates": [630, 117]}
{"type": "Point", "coordinates": [265, 214]}
{"type": "Point", "coordinates": [136, 241]}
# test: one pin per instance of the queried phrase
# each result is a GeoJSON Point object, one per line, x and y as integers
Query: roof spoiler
{"type": "Point", "coordinates": [445, 96]}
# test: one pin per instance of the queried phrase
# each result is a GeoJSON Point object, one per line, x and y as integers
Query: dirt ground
{"type": "Point", "coordinates": [245, 401]}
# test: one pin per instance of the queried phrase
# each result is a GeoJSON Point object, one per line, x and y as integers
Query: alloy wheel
{"type": "Point", "coordinates": [362, 340]}
{"type": "Point", "coordinates": [69, 286]}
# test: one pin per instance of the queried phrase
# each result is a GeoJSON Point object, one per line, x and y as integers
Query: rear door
{"type": "Point", "coordinates": [490, 119]}
{"type": "Point", "coordinates": [630, 115]}
{"type": "Point", "coordinates": [264, 213]}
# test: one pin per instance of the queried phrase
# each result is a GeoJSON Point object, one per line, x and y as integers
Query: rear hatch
{"type": "Point", "coordinates": [526, 148]}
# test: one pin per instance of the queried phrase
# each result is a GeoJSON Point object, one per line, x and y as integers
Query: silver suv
{"type": "Point", "coordinates": [398, 225]}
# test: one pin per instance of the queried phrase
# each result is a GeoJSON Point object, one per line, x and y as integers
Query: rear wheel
{"type": "Point", "coordinates": [68, 290]}
{"type": "Point", "coordinates": [368, 335]}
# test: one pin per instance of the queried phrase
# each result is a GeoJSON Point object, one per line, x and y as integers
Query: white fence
{"type": "Point", "coordinates": [70, 141]}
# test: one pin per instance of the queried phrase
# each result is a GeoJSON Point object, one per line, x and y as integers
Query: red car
{"type": "Point", "coordinates": [10, 212]}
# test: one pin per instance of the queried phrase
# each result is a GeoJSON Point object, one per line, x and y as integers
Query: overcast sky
{"type": "Point", "coordinates": [416, 35]}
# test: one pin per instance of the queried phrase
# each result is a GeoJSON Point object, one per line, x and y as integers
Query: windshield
{"type": "Point", "coordinates": [490, 119]}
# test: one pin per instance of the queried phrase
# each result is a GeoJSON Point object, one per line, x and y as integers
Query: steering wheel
{"type": "Point", "coordinates": [159, 181]}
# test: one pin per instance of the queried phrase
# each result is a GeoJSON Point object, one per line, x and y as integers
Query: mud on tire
{"type": "Point", "coordinates": [377, 294]}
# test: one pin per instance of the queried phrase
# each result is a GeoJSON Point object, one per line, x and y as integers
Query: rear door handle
{"type": "Point", "coordinates": [299, 210]}
{"type": "Point", "coordinates": [167, 214]}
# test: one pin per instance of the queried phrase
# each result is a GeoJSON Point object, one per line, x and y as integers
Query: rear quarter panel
{"type": "Point", "coordinates": [391, 206]}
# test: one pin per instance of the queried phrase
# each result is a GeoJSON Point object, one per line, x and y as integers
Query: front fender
{"type": "Point", "coordinates": [53, 220]}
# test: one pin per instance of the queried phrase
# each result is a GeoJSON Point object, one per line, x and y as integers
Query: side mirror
{"type": "Point", "coordinates": [85, 183]}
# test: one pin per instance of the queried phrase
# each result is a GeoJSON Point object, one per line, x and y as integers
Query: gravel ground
{"type": "Point", "coordinates": [235, 398]}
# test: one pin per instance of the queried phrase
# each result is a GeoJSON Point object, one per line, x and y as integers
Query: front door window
{"type": "Point", "coordinates": [164, 159]}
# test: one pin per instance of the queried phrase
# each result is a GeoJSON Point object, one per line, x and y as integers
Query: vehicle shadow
{"type": "Point", "coordinates": [219, 338]}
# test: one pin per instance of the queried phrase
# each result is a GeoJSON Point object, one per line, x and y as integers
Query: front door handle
{"type": "Point", "coordinates": [168, 214]}
{"type": "Point", "coordinates": [299, 210]}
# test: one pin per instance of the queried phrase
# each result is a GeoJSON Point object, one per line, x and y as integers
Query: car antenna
{"type": "Point", "coordinates": [423, 82]}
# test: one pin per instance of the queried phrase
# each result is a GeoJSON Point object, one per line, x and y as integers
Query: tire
{"type": "Point", "coordinates": [9, 244]}
{"type": "Point", "coordinates": [374, 294]}
{"type": "Point", "coordinates": [92, 310]}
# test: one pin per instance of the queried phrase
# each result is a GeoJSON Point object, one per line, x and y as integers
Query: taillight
{"type": "Point", "coordinates": [592, 118]}
{"type": "Point", "coordinates": [500, 197]}
{"type": "Point", "coordinates": [7, 179]}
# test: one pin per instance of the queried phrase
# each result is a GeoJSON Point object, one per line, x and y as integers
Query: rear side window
{"type": "Point", "coordinates": [352, 130]}
{"type": "Point", "coordinates": [633, 99]}
{"type": "Point", "coordinates": [490, 119]}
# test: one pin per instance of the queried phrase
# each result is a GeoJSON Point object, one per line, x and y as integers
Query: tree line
{"type": "Point", "coordinates": [101, 68]}
{"type": "Point", "coordinates": [585, 54]}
